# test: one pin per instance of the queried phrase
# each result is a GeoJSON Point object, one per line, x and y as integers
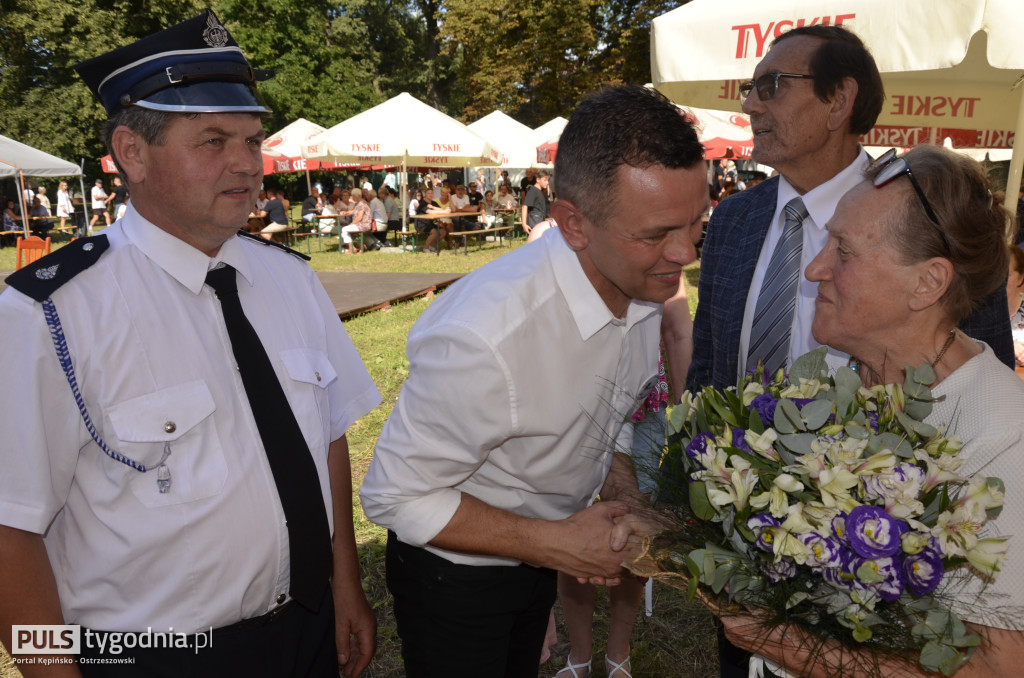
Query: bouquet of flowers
{"type": "Point", "coordinates": [814, 500]}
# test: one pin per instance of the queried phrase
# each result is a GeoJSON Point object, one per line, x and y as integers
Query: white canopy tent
{"type": "Point", "coordinates": [550, 131]}
{"type": "Point", "coordinates": [382, 135]}
{"type": "Point", "coordinates": [947, 64]}
{"type": "Point", "coordinates": [513, 137]}
{"type": "Point", "coordinates": [19, 160]}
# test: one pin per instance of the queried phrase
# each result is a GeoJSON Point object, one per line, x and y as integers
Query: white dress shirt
{"type": "Point", "coordinates": [154, 363]}
{"type": "Point", "coordinates": [520, 383]}
{"type": "Point", "coordinates": [821, 203]}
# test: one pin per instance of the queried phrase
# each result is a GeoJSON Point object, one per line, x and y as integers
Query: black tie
{"type": "Point", "coordinates": [298, 486]}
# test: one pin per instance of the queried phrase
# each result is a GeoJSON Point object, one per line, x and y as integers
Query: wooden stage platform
{"type": "Point", "coordinates": [354, 293]}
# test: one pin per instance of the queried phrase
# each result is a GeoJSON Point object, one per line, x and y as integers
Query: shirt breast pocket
{"type": "Point", "coordinates": [311, 373]}
{"type": "Point", "coordinates": [180, 419]}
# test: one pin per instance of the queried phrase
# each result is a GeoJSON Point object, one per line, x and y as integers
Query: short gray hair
{"type": "Point", "coordinates": [147, 123]}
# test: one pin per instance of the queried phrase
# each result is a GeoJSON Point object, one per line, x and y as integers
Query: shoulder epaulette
{"type": "Point", "coordinates": [43, 277]}
{"type": "Point", "coordinates": [271, 243]}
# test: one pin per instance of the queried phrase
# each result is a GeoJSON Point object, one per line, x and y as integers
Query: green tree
{"type": "Point", "coordinates": [45, 104]}
{"type": "Point", "coordinates": [535, 60]}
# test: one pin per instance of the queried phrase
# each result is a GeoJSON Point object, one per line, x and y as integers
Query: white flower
{"type": "Point", "coordinates": [980, 496]}
{"type": "Point", "coordinates": [957, 530]}
{"type": "Point", "coordinates": [938, 469]}
{"type": "Point", "coordinates": [898, 489]}
{"type": "Point", "coordinates": [785, 544]}
{"type": "Point", "coordinates": [762, 443]}
{"type": "Point", "coordinates": [751, 391]}
{"type": "Point", "coordinates": [742, 480]}
{"type": "Point", "coordinates": [835, 484]}
{"type": "Point", "coordinates": [987, 556]}
{"type": "Point", "coordinates": [807, 388]}
{"type": "Point", "coordinates": [777, 497]}
{"type": "Point", "coordinates": [819, 517]}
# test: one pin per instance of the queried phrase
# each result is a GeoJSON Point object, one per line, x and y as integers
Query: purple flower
{"type": "Point", "coordinates": [800, 402]}
{"type": "Point", "coordinates": [764, 405]}
{"type": "Point", "coordinates": [873, 533]}
{"type": "Point", "coordinates": [698, 445]}
{"type": "Point", "coordinates": [757, 524]}
{"type": "Point", "coordinates": [778, 570]}
{"type": "Point", "coordinates": [823, 552]}
{"type": "Point", "coordinates": [842, 574]}
{"type": "Point", "coordinates": [923, 571]}
{"type": "Point", "coordinates": [893, 578]}
{"type": "Point", "coordinates": [839, 529]}
{"type": "Point", "coordinates": [738, 442]}
{"type": "Point", "coordinates": [873, 421]}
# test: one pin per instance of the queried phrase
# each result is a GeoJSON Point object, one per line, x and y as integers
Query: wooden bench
{"type": "Point", "coordinates": [498, 231]}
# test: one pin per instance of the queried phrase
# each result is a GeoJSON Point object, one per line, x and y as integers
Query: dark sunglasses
{"type": "Point", "coordinates": [767, 85]}
{"type": "Point", "coordinates": [890, 167]}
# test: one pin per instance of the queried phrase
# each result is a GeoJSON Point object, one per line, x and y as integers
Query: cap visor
{"type": "Point", "coordinates": [206, 97]}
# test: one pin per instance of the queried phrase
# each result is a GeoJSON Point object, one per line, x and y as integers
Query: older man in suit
{"type": "Point", "coordinates": [811, 97]}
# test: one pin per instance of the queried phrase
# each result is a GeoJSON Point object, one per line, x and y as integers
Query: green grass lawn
{"type": "Point", "coordinates": [677, 641]}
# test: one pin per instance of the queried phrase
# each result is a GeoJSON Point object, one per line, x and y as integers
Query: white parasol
{"type": "Point", "coordinates": [403, 131]}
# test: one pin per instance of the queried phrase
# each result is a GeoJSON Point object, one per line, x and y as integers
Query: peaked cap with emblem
{"type": "Point", "coordinates": [193, 67]}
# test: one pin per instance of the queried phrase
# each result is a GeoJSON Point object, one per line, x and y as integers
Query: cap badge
{"type": "Point", "coordinates": [214, 35]}
{"type": "Point", "coordinates": [48, 273]}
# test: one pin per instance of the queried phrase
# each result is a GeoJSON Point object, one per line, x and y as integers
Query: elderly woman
{"type": "Point", "coordinates": [910, 251]}
{"type": "Point", "coordinates": [361, 220]}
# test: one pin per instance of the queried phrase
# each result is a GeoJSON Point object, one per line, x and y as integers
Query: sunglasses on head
{"type": "Point", "coordinates": [890, 167]}
{"type": "Point", "coordinates": [767, 85]}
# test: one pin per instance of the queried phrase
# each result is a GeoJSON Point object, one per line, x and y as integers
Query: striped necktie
{"type": "Point", "coordinates": [773, 314]}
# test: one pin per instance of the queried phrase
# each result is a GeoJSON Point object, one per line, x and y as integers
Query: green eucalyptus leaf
{"type": "Point", "coordinates": [722, 576]}
{"type": "Point", "coordinates": [791, 414]}
{"type": "Point", "coordinates": [796, 443]}
{"type": "Point", "coordinates": [708, 573]}
{"type": "Point", "coordinates": [847, 380]}
{"type": "Point", "coordinates": [918, 409]}
{"type": "Point", "coordinates": [934, 654]}
{"type": "Point", "coordinates": [701, 506]}
{"type": "Point", "coordinates": [676, 418]}
{"type": "Point", "coordinates": [809, 366]}
{"type": "Point", "coordinates": [855, 430]}
{"type": "Point", "coordinates": [816, 413]}
{"type": "Point", "coordinates": [693, 562]}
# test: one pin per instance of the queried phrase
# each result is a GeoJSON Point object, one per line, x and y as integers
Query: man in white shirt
{"type": "Point", "coordinates": [155, 494]}
{"type": "Point", "coordinates": [521, 378]}
{"type": "Point", "coordinates": [99, 204]}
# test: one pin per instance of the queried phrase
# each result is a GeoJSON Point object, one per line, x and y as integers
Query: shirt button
{"type": "Point", "coordinates": [280, 598]}
{"type": "Point", "coordinates": [318, 377]}
{"type": "Point", "coordinates": [170, 427]}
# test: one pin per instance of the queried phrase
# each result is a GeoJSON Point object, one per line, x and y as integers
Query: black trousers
{"type": "Point", "coordinates": [468, 621]}
{"type": "Point", "coordinates": [293, 642]}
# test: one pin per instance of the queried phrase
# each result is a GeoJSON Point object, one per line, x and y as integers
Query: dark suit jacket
{"type": "Point", "coordinates": [733, 243]}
